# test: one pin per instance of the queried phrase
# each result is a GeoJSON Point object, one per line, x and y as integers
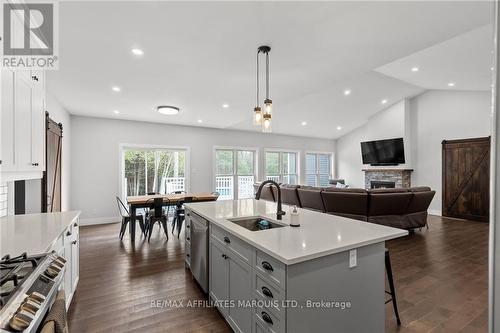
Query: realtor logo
{"type": "Point", "coordinates": [29, 35]}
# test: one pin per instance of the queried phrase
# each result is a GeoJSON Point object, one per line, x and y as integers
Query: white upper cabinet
{"type": "Point", "coordinates": [22, 149]}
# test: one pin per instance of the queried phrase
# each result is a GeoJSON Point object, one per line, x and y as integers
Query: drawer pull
{"type": "Point", "coordinates": [68, 233]}
{"type": "Point", "coordinates": [73, 242]}
{"type": "Point", "coordinates": [267, 292]}
{"type": "Point", "coordinates": [267, 266]}
{"type": "Point", "coordinates": [227, 240]}
{"type": "Point", "coordinates": [75, 225]}
{"type": "Point", "coordinates": [187, 255]}
{"type": "Point", "coordinates": [188, 238]}
{"type": "Point", "coordinates": [188, 226]}
{"type": "Point", "coordinates": [267, 318]}
{"type": "Point", "coordinates": [225, 256]}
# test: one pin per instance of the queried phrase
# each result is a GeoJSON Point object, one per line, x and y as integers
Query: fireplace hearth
{"type": "Point", "coordinates": [387, 178]}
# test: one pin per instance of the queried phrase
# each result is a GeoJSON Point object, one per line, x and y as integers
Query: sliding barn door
{"type": "Point", "coordinates": [466, 178]}
{"type": "Point", "coordinates": [51, 184]}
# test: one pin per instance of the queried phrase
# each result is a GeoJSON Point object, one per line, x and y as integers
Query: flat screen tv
{"type": "Point", "coordinates": [383, 152]}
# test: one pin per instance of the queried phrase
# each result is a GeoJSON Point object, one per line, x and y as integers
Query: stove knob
{"type": "Point", "coordinates": [37, 297]}
{"type": "Point", "coordinates": [21, 320]}
{"type": "Point", "coordinates": [51, 273]}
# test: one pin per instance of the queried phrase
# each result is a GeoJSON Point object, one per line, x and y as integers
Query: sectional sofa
{"type": "Point", "coordinates": [396, 207]}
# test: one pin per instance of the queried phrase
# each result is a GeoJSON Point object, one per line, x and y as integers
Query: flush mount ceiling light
{"type": "Point", "coordinates": [116, 111]}
{"type": "Point", "coordinates": [168, 110]}
{"type": "Point", "coordinates": [200, 121]}
{"type": "Point", "coordinates": [339, 128]}
{"type": "Point", "coordinates": [263, 117]}
{"type": "Point", "coordinates": [116, 89]}
{"type": "Point", "coordinates": [137, 52]}
{"type": "Point", "coordinates": [415, 69]}
{"type": "Point", "coordinates": [304, 123]}
{"type": "Point", "coordinates": [347, 92]}
{"type": "Point", "coordinates": [451, 84]}
{"type": "Point", "coordinates": [225, 106]}
{"type": "Point", "coordinates": [384, 101]}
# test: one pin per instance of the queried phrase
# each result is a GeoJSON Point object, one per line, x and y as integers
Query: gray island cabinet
{"type": "Point", "coordinates": [325, 276]}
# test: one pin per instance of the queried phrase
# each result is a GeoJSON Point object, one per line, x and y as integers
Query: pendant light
{"type": "Point", "coordinates": [257, 111]}
{"type": "Point", "coordinates": [266, 114]}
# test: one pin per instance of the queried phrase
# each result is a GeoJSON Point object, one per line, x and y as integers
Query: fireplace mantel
{"type": "Point", "coordinates": [401, 177]}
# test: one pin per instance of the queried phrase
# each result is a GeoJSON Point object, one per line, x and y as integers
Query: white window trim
{"type": "Point", "coordinates": [316, 152]}
{"type": "Point", "coordinates": [138, 146]}
{"type": "Point", "coordinates": [235, 148]}
{"type": "Point", "coordinates": [284, 150]}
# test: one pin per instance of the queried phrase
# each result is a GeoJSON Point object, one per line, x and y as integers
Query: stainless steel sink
{"type": "Point", "coordinates": [253, 223]}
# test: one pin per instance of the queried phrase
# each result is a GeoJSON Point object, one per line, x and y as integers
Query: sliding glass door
{"type": "Point", "coordinates": [235, 173]}
{"type": "Point", "coordinates": [159, 170]}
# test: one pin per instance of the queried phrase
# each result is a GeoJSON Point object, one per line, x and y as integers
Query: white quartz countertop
{"type": "Point", "coordinates": [32, 233]}
{"type": "Point", "coordinates": [319, 234]}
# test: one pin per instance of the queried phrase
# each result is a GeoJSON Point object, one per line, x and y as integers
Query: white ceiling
{"type": "Point", "coordinates": [200, 55]}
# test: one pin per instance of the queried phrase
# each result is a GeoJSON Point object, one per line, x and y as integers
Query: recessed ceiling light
{"type": "Point", "coordinates": [451, 84]}
{"type": "Point", "coordinates": [304, 123]}
{"type": "Point", "coordinates": [116, 89]}
{"type": "Point", "coordinates": [415, 69]}
{"type": "Point", "coordinates": [339, 128]}
{"type": "Point", "coordinates": [200, 121]}
{"type": "Point", "coordinates": [225, 106]}
{"type": "Point", "coordinates": [384, 101]}
{"type": "Point", "coordinates": [116, 111]}
{"type": "Point", "coordinates": [168, 110]}
{"type": "Point", "coordinates": [137, 52]}
{"type": "Point", "coordinates": [347, 92]}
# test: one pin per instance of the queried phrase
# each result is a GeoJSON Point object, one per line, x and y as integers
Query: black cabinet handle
{"type": "Point", "coordinates": [73, 242]}
{"type": "Point", "coordinates": [227, 240]}
{"type": "Point", "coordinates": [68, 233]}
{"type": "Point", "coordinates": [188, 238]}
{"type": "Point", "coordinates": [34, 164]}
{"type": "Point", "coordinates": [225, 256]}
{"type": "Point", "coordinates": [267, 292]}
{"type": "Point", "coordinates": [75, 225]}
{"type": "Point", "coordinates": [267, 266]}
{"type": "Point", "coordinates": [188, 214]}
{"type": "Point", "coordinates": [188, 226]}
{"type": "Point", "coordinates": [267, 318]}
{"type": "Point", "coordinates": [188, 255]}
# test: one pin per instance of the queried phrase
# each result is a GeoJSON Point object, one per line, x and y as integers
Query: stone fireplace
{"type": "Point", "coordinates": [377, 178]}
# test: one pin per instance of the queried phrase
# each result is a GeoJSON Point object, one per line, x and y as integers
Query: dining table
{"type": "Point", "coordinates": [177, 199]}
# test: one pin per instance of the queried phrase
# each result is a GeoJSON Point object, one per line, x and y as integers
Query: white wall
{"type": "Point", "coordinates": [95, 144]}
{"type": "Point", "coordinates": [424, 121]}
{"type": "Point", "coordinates": [444, 115]}
{"type": "Point", "coordinates": [387, 124]}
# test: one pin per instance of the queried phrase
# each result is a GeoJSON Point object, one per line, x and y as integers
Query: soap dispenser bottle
{"type": "Point", "coordinates": [294, 217]}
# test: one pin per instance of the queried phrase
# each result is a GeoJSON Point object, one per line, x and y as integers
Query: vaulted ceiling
{"type": "Point", "coordinates": [201, 55]}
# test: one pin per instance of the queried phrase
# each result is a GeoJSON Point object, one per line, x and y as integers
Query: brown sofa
{"type": "Point", "coordinates": [396, 207]}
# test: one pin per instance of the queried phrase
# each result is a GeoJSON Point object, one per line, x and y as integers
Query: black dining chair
{"type": "Point", "coordinates": [126, 218]}
{"type": "Point", "coordinates": [179, 212]}
{"type": "Point", "coordinates": [156, 215]}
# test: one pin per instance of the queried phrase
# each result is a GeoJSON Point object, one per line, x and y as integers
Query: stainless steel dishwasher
{"type": "Point", "coordinates": [199, 250]}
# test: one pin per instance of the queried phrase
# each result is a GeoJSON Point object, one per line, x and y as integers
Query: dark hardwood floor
{"type": "Point", "coordinates": [440, 276]}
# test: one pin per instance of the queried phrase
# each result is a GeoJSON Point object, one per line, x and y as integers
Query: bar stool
{"type": "Point", "coordinates": [392, 291]}
{"type": "Point", "coordinates": [156, 215]}
{"type": "Point", "coordinates": [126, 218]}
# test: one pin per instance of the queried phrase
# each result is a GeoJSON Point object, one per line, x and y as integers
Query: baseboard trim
{"type": "Point", "coordinates": [99, 220]}
{"type": "Point", "coordinates": [436, 212]}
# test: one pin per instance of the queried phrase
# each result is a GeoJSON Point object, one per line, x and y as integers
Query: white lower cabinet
{"type": "Point", "coordinates": [68, 246]}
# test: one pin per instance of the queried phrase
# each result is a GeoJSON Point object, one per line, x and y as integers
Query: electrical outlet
{"type": "Point", "coordinates": [353, 260]}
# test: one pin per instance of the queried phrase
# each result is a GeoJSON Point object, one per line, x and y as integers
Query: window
{"type": "Point", "coordinates": [281, 166]}
{"type": "Point", "coordinates": [318, 169]}
{"type": "Point", "coordinates": [159, 170]}
{"type": "Point", "coordinates": [235, 173]}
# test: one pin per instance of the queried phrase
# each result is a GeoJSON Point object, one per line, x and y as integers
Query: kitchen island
{"type": "Point", "coordinates": [325, 276]}
{"type": "Point", "coordinates": [41, 233]}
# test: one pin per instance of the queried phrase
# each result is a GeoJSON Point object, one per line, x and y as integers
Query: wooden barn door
{"type": "Point", "coordinates": [51, 182]}
{"type": "Point", "coordinates": [466, 178]}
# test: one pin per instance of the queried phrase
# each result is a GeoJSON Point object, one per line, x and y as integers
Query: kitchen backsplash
{"type": "Point", "coordinates": [3, 199]}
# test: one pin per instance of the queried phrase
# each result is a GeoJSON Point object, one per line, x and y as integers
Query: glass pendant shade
{"type": "Point", "coordinates": [266, 123]}
{"type": "Point", "coordinates": [268, 106]}
{"type": "Point", "coordinates": [257, 116]}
